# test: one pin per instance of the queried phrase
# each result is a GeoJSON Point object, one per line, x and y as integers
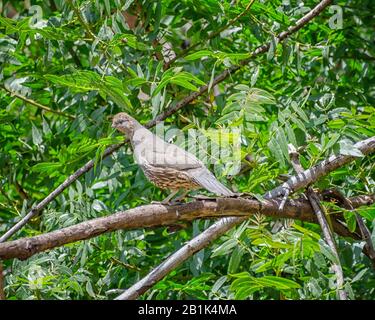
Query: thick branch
{"type": "Point", "coordinates": [181, 255]}
{"type": "Point", "coordinates": [160, 215]}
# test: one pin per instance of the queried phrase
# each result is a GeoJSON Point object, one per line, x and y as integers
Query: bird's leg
{"type": "Point", "coordinates": [182, 196]}
{"type": "Point", "coordinates": [167, 199]}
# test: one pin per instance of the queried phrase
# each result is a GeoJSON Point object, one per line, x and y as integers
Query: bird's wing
{"type": "Point", "coordinates": [172, 156]}
{"type": "Point", "coordinates": [149, 148]}
{"type": "Point", "coordinates": [208, 181]}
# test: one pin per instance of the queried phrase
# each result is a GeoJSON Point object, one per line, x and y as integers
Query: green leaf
{"type": "Point", "coordinates": [273, 45]}
{"type": "Point", "coordinates": [135, 82]}
{"type": "Point", "coordinates": [37, 136]}
{"type": "Point", "coordinates": [235, 259]}
{"type": "Point", "coordinates": [160, 86]}
{"type": "Point", "coordinates": [274, 147]}
{"type": "Point", "coordinates": [350, 220]}
{"type": "Point", "coordinates": [211, 79]}
{"type": "Point", "coordinates": [218, 284]}
{"type": "Point", "coordinates": [306, 231]}
{"type": "Point", "coordinates": [199, 55]}
{"type": "Point", "coordinates": [299, 111]}
{"type": "Point", "coordinates": [327, 251]}
{"type": "Point", "coordinates": [367, 212]}
{"type": "Point", "coordinates": [89, 289]}
{"type": "Point", "coordinates": [277, 282]}
{"type": "Point", "coordinates": [359, 275]}
{"type": "Point", "coordinates": [290, 134]}
{"type": "Point", "coordinates": [184, 84]}
{"type": "Point", "coordinates": [282, 142]}
{"type": "Point", "coordinates": [83, 81]}
{"type": "Point", "coordinates": [224, 248]}
{"type": "Point", "coordinates": [348, 148]}
{"type": "Point", "coordinates": [334, 138]}
{"type": "Point", "coordinates": [46, 166]}
{"type": "Point", "coordinates": [181, 78]}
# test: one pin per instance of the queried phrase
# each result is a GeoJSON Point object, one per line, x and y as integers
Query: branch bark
{"type": "Point", "coordinates": [157, 215]}
{"type": "Point", "coordinates": [222, 226]}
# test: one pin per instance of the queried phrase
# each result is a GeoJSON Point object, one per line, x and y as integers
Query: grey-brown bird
{"type": "Point", "coordinates": [164, 164]}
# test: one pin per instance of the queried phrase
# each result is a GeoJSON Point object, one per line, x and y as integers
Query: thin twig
{"type": "Point", "coordinates": [327, 233]}
{"type": "Point", "coordinates": [119, 262]}
{"type": "Point", "coordinates": [41, 205]}
{"type": "Point", "coordinates": [37, 104]}
{"type": "Point", "coordinates": [328, 236]}
{"type": "Point", "coordinates": [77, 12]}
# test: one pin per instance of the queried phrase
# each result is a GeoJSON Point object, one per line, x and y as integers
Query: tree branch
{"type": "Point", "coordinates": [262, 49]}
{"type": "Point", "coordinates": [156, 215]}
{"type": "Point", "coordinates": [37, 104]}
{"type": "Point", "coordinates": [327, 233]}
{"type": "Point", "coordinates": [328, 236]}
{"type": "Point", "coordinates": [311, 175]}
{"type": "Point", "coordinates": [41, 205]}
{"type": "Point", "coordinates": [171, 110]}
{"type": "Point", "coordinates": [222, 226]}
{"type": "Point", "coordinates": [81, 19]}
{"type": "Point", "coordinates": [364, 231]}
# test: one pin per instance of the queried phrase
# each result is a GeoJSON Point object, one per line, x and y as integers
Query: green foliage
{"type": "Point", "coordinates": [76, 63]}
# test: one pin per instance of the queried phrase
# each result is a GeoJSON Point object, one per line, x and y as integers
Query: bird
{"type": "Point", "coordinates": [165, 164]}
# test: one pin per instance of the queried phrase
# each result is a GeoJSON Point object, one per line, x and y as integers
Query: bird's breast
{"type": "Point", "coordinates": [168, 178]}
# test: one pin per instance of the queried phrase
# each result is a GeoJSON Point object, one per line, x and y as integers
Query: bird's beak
{"type": "Point", "coordinates": [113, 126]}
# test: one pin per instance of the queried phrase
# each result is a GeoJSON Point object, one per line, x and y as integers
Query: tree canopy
{"type": "Point", "coordinates": [292, 82]}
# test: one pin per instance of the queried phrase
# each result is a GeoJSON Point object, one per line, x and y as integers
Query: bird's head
{"type": "Point", "coordinates": [125, 123]}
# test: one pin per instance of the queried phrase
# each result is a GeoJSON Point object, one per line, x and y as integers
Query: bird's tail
{"type": "Point", "coordinates": [208, 181]}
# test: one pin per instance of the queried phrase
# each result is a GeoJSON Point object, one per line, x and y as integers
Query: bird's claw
{"type": "Point", "coordinates": [202, 197]}
{"type": "Point", "coordinates": [157, 202]}
{"type": "Point", "coordinates": [167, 203]}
